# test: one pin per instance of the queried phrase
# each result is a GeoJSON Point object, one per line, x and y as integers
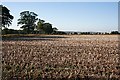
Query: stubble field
{"type": "Point", "coordinates": [61, 57]}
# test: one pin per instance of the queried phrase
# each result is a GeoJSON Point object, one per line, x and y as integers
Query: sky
{"type": "Point", "coordinates": [70, 16]}
{"type": "Point", "coordinates": [60, 0]}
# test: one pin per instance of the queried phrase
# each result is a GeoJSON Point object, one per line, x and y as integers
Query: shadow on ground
{"type": "Point", "coordinates": [30, 38]}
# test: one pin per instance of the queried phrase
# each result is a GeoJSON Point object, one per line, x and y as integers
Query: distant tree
{"type": "Point", "coordinates": [47, 27]}
{"type": "Point", "coordinates": [27, 20]}
{"type": "Point", "coordinates": [54, 30]}
{"type": "Point", "coordinates": [43, 27]}
{"type": "Point", "coordinates": [75, 33]}
{"type": "Point", "coordinates": [40, 24]}
{"type": "Point", "coordinates": [9, 31]}
{"type": "Point", "coordinates": [114, 32]}
{"type": "Point", "coordinates": [61, 33]}
{"type": "Point", "coordinates": [5, 16]}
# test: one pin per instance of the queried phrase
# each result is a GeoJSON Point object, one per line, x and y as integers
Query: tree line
{"type": "Point", "coordinates": [27, 21]}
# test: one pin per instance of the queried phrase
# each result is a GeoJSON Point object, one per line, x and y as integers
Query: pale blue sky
{"type": "Point", "coordinates": [71, 16]}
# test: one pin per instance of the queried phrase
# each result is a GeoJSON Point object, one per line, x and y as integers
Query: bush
{"type": "Point", "coordinates": [9, 31]}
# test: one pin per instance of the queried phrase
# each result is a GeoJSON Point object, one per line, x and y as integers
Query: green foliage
{"type": "Point", "coordinates": [9, 31]}
{"type": "Point", "coordinates": [40, 24]}
{"type": "Point", "coordinates": [5, 16]}
{"type": "Point", "coordinates": [54, 30]}
{"type": "Point", "coordinates": [39, 27]}
{"type": "Point", "coordinates": [27, 20]}
{"type": "Point", "coordinates": [44, 27]}
{"type": "Point", "coordinates": [47, 27]}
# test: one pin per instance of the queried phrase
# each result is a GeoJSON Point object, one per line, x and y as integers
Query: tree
{"type": "Point", "coordinates": [5, 16]}
{"type": "Point", "coordinates": [40, 24]}
{"type": "Point", "coordinates": [47, 27]}
{"type": "Point", "coordinates": [44, 27]}
{"type": "Point", "coordinates": [114, 32]}
{"type": "Point", "coordinates": [54, 30]}
{"type": "Point", "coordinates": [9, 31]}
{"type": "Point", "coordinates": [27, 20]}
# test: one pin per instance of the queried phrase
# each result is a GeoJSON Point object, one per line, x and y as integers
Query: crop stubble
{"type": "Point", "coordinates": [75, 56]}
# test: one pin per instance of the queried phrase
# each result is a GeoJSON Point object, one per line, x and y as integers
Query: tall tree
{"type": "Point", "coordinates": [5, 16]}
{"type": "Point", "coordinates": [27, 20]}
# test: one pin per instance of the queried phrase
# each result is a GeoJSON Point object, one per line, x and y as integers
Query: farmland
{"type": "Point", "coordinates": [61, 56]}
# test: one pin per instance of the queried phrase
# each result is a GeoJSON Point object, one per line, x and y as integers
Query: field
{"type": "Point", "coordinates": [54, 57]}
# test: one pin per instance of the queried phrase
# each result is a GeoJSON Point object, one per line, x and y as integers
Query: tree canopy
{"type": "Point", "coordinates": [44, 27]}
{"type": "Point", "coordinates": [27, 20]}
{"type": "Point", "coordinates": [47, 27]}
{"type": "Point", "coordinates": [5, 16]}
{"type": "Point", "coordinates": [39, 26]}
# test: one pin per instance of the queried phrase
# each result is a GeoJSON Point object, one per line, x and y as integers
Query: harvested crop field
{"type": "Point", "coordinates": [58, 57]}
